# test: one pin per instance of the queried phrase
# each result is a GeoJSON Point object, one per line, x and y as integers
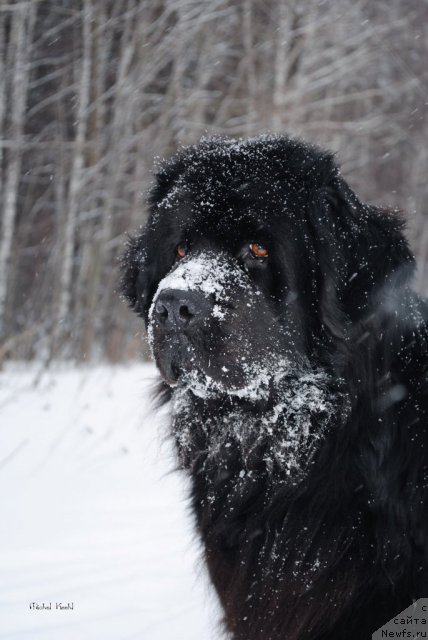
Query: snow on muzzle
{"type": "Point", "coordinates": [207, 317]}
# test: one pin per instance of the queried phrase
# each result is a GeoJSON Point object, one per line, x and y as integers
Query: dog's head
{"type": "Point", "coordinates": [255, 249]}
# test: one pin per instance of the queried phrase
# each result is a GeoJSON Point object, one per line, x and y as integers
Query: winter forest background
{"type": "Point", "coordinates": [92, 90]}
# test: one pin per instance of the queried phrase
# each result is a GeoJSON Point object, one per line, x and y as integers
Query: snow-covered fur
{"type": "Point", "coordinates": [297, 380]}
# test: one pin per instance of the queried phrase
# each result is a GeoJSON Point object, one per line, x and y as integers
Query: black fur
{"type": "Point", "coordinates": [338, 547]}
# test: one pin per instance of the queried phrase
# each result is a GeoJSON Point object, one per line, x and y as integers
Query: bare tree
{"type": "Point", "coordinates": [76, 175]}
{"type": "Point", "coordinates": [19, 47]}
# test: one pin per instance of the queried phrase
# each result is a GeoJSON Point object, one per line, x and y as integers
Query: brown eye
{"type": "Point", "coordinates": [258, 250]}
{"type": "Point", "coordinates": [181, 250]}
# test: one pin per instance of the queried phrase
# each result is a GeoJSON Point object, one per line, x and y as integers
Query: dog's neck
{"type": "Point", "coordinates": [274, 427]}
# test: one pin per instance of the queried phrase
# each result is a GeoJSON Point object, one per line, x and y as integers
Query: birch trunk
{"type": "Point", "coordinates": [2, 90]}
{"type": "Point", "coordinates": [76, 177]}
{"type": "Point", "coordinates": [100, 281]}
{"type": "Point", "coordinates": [21, 39]}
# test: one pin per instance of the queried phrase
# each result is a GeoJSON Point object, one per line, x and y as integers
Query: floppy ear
{"type": "Point", "coordinates": [134, 277]}
{"type": "Point", "coordinates": [361, 249]}
{"type": "Point", "coordinates": [145, 262]}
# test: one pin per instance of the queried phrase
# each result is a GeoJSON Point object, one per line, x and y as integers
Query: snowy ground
{"type": "Point", "coordinates": [91, 514]}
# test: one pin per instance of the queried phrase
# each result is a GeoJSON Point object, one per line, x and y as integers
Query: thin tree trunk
{"type": "Point", "coordinates": [66, 274]}
{"type": "Point", "coordinates": [102, 259]}
{"type": "Point", "coordinates": [248, 26]}
{"type": "Point", "coordinates": [21, 38]}
{"type": "Point", "coordinates": [2, 89]}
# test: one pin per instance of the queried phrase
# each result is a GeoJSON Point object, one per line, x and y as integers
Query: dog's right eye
{"type": "Point", "coordinates": [181, 250]}
{"type": "Point", "coordinates": [258, 250]}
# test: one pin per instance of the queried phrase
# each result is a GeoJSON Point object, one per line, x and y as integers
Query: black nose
{"type": "Point", "coordinates": [177, 309]}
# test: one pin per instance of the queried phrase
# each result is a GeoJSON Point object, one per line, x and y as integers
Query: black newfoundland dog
{"type": "Point", "coordinates": [294, 355]}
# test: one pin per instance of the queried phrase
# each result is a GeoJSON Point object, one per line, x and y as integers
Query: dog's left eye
{"type": "Point", "coordinates": [181, 250]}
{"type": "Point", "coordinates": [258, 250]}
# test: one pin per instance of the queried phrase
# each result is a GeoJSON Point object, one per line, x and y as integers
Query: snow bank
{"type": "Point", "coordinates": [91, 514]}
